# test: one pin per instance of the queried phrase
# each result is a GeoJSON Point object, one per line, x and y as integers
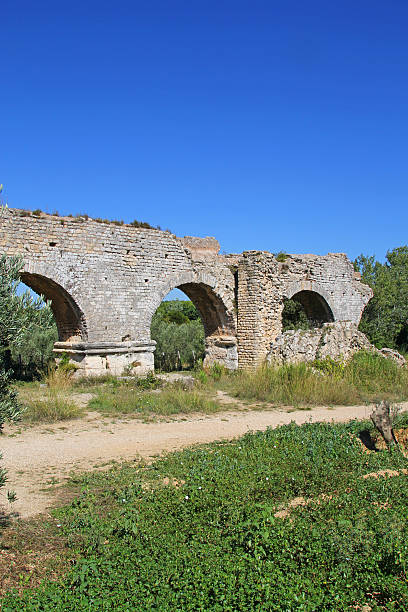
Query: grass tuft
{"type": "Point", "coordinates": [53, 403]}
{"type": "Point", "coordinates": [59, 380]}
{"type": "Point", "coordinates": [367, 377]}
{"type": "Point", "coordinates": [51, 409]}
{"type": "Point", "coordinates": [127, 400]}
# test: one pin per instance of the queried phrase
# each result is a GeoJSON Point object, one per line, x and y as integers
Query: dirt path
{"type": "Point", "coordinates": [42, 455]}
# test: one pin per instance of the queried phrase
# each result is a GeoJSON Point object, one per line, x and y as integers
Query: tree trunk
{"type": "Point", "coordinates": [381, 417]}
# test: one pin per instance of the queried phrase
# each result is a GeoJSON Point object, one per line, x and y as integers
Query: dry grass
{"type": "Point", "coordinates": [125, 399]}
{"type": "Point", "coordinates": [51, 403]}
{"type": "Point", "coordinates": [31, 551]}
{"type": "Point", "coordinates": [366, 378]}
{"type": "Point", "coordinates": [293, 385]}
{"type": "Point", "coordinates": [59, 380]}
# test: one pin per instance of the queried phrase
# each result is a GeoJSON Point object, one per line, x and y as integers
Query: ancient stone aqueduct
{"type": "Point", "coordinates": [106, 281]}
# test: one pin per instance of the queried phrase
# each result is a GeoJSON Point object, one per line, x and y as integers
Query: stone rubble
{"type": "Point", "coordinates": [395, 355]}
{"type": "Point", "coordinates": [339, 340]}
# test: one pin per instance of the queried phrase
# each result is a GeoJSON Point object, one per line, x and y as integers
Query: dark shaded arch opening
{"type": "Point", "coordinates": [69, 318]}
{"type": "Point", "coordinates": [212, 310]}
{"type": "Point", "coordinates": [305, 310]}
{"type": "Point", "coordinates": [208, 334]}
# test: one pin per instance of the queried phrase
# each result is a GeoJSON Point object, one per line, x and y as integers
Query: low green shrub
{"type": "Point", "coordinates": [281, 256]}
{"type": "Point", "coordinates": [329, 366]}
{"type": "Point", "coordinates": [147, 383]}
{"type": "Point", "coordinates": [202, 377]}
{"type": "Point", "coordinates": [217, 370]}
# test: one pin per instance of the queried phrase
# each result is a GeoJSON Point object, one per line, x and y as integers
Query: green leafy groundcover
{"type": "Point", "coordinates": [196, 530]}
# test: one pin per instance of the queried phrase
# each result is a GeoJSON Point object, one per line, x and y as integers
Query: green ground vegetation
{"type": "Point", "coordinates": [276, 520]}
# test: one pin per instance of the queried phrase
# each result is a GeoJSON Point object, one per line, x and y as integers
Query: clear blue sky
{"type": "Point", "coordinates": [269, 125]}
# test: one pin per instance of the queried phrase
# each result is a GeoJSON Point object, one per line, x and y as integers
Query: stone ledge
{"type": "Point", "coordinates": [108, 348]}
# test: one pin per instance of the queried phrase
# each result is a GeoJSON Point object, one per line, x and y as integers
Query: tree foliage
{"type": "Point", "coordinates": [27, 328]}
{"type": "Point", "coordinates": [9, 309]}
{"type": "Point", "coordinates": [27, 325]}
{"type": "Point", "coordinates": [179, 334]}
{"type": "Point", "coordinates": [294, 316]}
{"type": "Point", "coordinates": [31, 349]}
{"type": "Point", "coordinates": [385, 318]}
{"type": "Point", "coordinates": [11, 312]}
{"type": "Point", "coordinates": [34, 349]}
{"type": "Point", "coordinates": [27, 331]}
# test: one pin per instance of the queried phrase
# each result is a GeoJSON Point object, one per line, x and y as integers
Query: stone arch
{"type": "Point", "coordinates": [69, 318]}
{"type": "Point", "coordinates": [315, 301]}
{"type": "Point", "coordinates": [213, 312]}
{"type": "Point", "coordinates": [216, 310]}
{"type": "Point", "coordinates": [217, 314]}
{"type": "Point", "coordinates": [317, 309]}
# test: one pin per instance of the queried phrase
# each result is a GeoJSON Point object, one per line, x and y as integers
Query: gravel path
{"type": "Point", "coordinates": [45, 454]}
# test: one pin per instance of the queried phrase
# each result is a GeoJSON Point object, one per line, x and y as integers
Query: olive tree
{"type": "Point", "coordinates": [12, 322]}
{"type": "Point", "coordinates": [11, 316]}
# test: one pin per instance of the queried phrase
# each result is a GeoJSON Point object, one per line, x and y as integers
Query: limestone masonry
{"type": "Point", "coordinates": [339, 340]}
{"type": "Point", "coordinates": [106, 281]}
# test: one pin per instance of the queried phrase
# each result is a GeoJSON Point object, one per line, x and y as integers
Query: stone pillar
{"type": "Point", "coordinates": [101, 358]}
{"type": "Point", "coordinates": [223, 350]}
{"type": "Point", "coordinates": [259, 307]}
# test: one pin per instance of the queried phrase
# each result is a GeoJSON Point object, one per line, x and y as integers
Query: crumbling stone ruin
{"type": "Point", "coordinates": [106, 281]}
{"type": "Point", "coordinates": [338, 340]}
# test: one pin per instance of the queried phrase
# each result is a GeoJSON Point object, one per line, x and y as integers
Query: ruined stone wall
{"type": "Point", "coordinates": [339, 341]}
{"type": "Point", "coordinates": [264, 283]}
{"type": "Point", "coordinates": [106, 281]}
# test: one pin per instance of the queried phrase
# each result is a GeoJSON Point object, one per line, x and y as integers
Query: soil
{"type": "Point", "coordinates": [40, 458]}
